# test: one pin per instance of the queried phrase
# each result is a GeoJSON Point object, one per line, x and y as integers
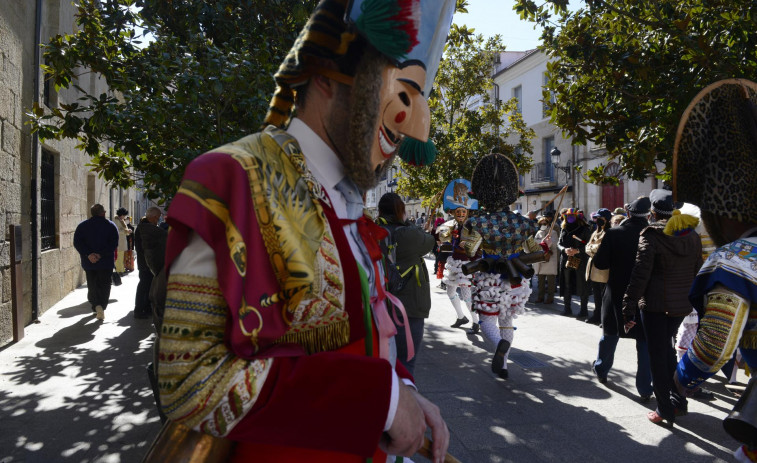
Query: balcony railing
{"type": "Point", "coordinates": [543, 172]}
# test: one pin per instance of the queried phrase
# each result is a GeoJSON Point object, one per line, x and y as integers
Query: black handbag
{"type": "Point", "coordinates": [116, 278]}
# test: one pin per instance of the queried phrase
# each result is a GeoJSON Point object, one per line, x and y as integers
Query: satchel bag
{"type": "Point", "coordinates": [116, 278]}
{"type": "Point", "coordinates": [599, 276]}
{"type": "Point", "coordinates": [573, 262]}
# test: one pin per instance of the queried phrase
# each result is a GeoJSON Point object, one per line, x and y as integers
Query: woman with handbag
{"type": "Point", "coordinates": [574, 236]}
{"type": "Point", "coordinates": [546, 271]}
{"type": "Point", "coordinates": [595, 277]}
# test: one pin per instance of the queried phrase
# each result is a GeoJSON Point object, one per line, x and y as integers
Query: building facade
{"type": "Point", "coordinates": [45, 186]}
{"type": "Point", "coordinates": [523, 75]}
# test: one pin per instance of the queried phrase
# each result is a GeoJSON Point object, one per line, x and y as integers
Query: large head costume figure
{"type": "Point", "coordinates": [495, 185]}
{"type": "Point", "coordinates": [715, 155]}
{"type": "Point", "coordinates": [388, 51]}
{"type": "Point", "coordinates": [457, 201]}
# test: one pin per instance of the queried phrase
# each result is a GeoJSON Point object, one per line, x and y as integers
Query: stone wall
{"type": "Point", "coordinates": [76, 188]}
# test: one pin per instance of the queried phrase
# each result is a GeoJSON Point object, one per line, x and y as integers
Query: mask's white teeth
{"type": "Point", "coordinates": [387, 147]}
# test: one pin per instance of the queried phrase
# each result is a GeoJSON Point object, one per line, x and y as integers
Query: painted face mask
{"type": "Point", "coordinates": [403, 110]}
{"type": "Point", "coordinates": [461, 215]}
{"type": "Point", "coordinates": [570, 218]}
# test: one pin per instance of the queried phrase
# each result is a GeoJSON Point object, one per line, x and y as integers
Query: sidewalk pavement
{"type": "Point", "coordinates": [75, 390]}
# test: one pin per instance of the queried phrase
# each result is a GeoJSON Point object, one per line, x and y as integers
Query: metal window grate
{"type": "Point", "coordinates": [47, 196]}
{"type": "Point", "coordinates": [526, 360]}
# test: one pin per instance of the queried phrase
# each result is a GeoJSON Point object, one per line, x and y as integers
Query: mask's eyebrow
{"type": "Point", "coordinates": [413, 84]}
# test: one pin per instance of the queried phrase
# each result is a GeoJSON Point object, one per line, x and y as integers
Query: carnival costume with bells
{"type": "Point", "coordinates": [275, 329]}
{"type": "Point", "coordinates": [715, 157]}
{"type": "Point", "coordinates": [463, 242]}
{"type": "Point", "coordinates": [498, 297]}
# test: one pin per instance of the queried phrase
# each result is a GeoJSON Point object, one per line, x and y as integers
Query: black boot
{"type": "Point", "coordinates": [594, 319]}
{"type": "Point", "coordinates": [498, 361]}
{"type": "Point", "coordinates": [460, 322]}
{"type": "Point", "coordinates": [582, 315]}
{"type": "Point", "coordinates": [475, 328]}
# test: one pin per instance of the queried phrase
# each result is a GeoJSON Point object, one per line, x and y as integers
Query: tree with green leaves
{"type": "Point", "coordinates": [462, 132]}
{"type": "Point", "coordinates": [204, 78]}
{"type": "Point", "coordinates": [623, 71]}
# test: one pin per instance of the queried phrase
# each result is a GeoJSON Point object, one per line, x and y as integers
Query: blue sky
{"type": "Point", "coordinates": [490, 17]}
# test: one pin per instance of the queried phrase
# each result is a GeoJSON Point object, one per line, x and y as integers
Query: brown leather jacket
{"type": "Point", "coordinates": [664, 271]}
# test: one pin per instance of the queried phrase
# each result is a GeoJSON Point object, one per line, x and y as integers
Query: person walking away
{"type": "Point", "coordinates": [411, 244]}
{"type": "Point", "coordinates": [668, 258]}
{"type": "Point", "coordinates": [123, 231]}
{"type": "Point", "coordinates": [596, 278]}
{"type": "Point", "coordinates": [276, 333]}
{"type": "Point", "coordinates": [546, 272]}
{"type": "Point", "coordinates": [714, 173]}
{"type": "Point", "coordinates": [617, 253]}
{"type": "Point", "coordinates": [96, 240]}
{"type": "Point", "coordinates": [129, 255]}
{"type": "Point", "coordinates": [574, 236]}
{"type": "Point", "coordinates": [150, 241]}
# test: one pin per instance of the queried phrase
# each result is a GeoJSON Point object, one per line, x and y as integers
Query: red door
{"type": "Point", "coordinates": [612, 196]}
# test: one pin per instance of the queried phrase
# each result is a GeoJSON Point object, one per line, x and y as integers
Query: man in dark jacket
{"type": "Point", "coordinates": [150, 243]}
{"type": "Point", "coordinates": [618, 254]}
{"type": "Point", "coordinates": [96, 240]}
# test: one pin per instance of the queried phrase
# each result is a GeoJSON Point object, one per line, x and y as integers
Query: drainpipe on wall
{"type": "Point", "coordinates": [35, 165]}
{"type": "Point", "coordinates": [574, 184]}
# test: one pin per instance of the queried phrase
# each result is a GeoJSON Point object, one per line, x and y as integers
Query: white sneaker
{"type": "Point", "coordinates": [100, 313]}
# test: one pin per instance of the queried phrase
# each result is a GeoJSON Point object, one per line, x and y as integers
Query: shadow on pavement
{"type": "Point", "coordinates": [91, 401]}
{"type": "Point", "coordinates": [551, 413]}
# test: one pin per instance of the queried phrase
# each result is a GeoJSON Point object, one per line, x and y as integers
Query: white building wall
{"type": "Point", "coordinates": [528, 73]}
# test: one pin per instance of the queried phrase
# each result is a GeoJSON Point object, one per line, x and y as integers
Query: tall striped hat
{"type": "Point", "coordinates": [406, 31]}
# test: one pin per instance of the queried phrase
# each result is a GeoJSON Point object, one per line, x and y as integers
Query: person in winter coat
{"type": "Point", "coordinates": [617, 253]}
{"type": "Point", "coordinates": [411, 244]}
{"type": "Point", "coordinates": [668, 258]}
{"type": "Point", "coordinates": [96, 240]}
{"type": "Point", "coordinates": [546, 272]}
{"type": "Point", "coordinates": [596, 278]}
{"type": "Point", "coordinates": [150, 241]}
{"type": "Point", "coordinates": [574, 236]}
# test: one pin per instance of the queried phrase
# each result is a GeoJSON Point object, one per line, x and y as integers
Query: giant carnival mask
{"type": "Point", "coordinates": [461, 215]}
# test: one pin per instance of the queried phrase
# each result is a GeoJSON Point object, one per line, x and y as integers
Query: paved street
{"type": "Point", "coordinates": [75, 390]}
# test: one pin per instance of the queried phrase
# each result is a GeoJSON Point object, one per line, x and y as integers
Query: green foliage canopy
{"type": "Point", "coordinates": [623, 71]}
{"type": "Point", "coordinates": [204, 79]}
{"type": "Point", "coordinates": [463, 135]}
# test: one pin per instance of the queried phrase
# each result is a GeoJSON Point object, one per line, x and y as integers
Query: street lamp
{"type": "Point", "coordinates": [555, 154]}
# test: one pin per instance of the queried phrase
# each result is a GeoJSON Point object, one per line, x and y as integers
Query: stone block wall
{"type": "Point", "coordinates": [76, 188]}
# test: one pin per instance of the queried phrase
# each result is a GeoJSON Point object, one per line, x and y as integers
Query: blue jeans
{"type": "Point", "coordinates": [606, 356]}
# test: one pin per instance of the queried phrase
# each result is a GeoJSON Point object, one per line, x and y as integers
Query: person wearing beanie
{"type": "Point", "coordinates": [617, 253]}
{"type": "Point", "coordinates": [597, 279]}
{"type": "Point", "coordinates": [276, 332]}
{"type": "Point", "coordinates": [668, 257]}
{"type": "Point", "coordinates": [574, 237]}
{"type": "Point", "coordinates": [715, 174]}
